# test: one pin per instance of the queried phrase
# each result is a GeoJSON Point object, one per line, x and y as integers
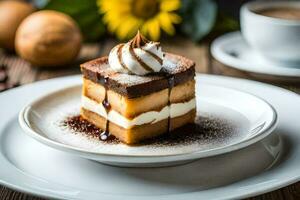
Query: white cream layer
{"type": "Point", "coordinates": [174, 110]}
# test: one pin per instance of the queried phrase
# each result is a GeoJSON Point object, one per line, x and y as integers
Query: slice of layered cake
{"type": "Point", "coordinates": [138, 92]}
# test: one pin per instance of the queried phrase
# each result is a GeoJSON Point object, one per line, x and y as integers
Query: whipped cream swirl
{"type": "Point", "coordinates": [139, 56]}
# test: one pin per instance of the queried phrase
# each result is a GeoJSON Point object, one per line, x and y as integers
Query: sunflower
{"type": "Point", "coordinates": [126, 17]}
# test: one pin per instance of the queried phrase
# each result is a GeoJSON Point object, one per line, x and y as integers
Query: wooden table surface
{"type": "Point", "coordinates": [22, 72]}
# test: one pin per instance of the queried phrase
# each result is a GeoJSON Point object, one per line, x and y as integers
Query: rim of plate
{"type": "Point", "coordinates": [218, 53]}
{"type": "Point", "coordinates": [234, 190]}
{"type": "Point", "coordinates": [24, 123]}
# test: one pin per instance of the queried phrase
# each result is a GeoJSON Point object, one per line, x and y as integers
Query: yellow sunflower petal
{"type": "Point", "coordinates": [176, 19]}
{"type": "Point", "coordinates": [170, 5]}
{"type": "Point", "coordinates": [166, 23]}
{"type": "Point", "coordinates": [151, 28]}
{"type": "Point", "coordinates": [128, 28]}
{"type": "Point", "coordinates": [113, 25]}
{"type": "Point", "coordinates": [114, 5]}
{"type": "Point", "coordinates": [120, 19]}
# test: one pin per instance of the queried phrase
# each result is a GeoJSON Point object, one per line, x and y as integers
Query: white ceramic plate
{"type": "Point", "coordinates": [232, 50]}
{"type": "Point", "coordinates": [29, 166]}
{"type": "Point", "coordinates": [251, 117]}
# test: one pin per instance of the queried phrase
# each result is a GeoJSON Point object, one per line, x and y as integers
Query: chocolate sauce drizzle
{"type": "Point", "coordinates": [79, 125]}
{"type": "Point", "coordinates": [170, 86]}
{"type": "Point", "coordinates": [105, 134]}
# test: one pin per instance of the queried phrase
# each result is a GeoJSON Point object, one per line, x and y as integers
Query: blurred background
{"type": "Point", "coordinates": [42, 39]}
{"type": "Point", "coordinates": [155, 19]}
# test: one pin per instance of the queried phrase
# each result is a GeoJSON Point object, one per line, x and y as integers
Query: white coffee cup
{"type": "Point", "coordinates": [276, 40]}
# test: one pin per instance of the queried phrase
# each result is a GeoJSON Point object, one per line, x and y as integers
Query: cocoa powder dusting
{"type": "Point", "coordinates": [204, 130]}
{"type": "Point", "coordinates": [79, 125]}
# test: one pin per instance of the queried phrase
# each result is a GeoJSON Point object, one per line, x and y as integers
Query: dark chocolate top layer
{"type": "Point", "coordinates": [132, 86]}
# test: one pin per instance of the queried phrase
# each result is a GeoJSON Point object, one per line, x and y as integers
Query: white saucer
{"type": "Point", "coordinates": [29, 166]}
{"type": "Point", "coordinates": [232, 50]}
{"type": "Point", "coordinates": [251, 117]}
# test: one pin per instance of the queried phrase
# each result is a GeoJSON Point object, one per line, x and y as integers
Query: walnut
{"type": "Point", "coordinates": [48, 38]}
{"type": "Point", "coordinates": [12, 14]}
